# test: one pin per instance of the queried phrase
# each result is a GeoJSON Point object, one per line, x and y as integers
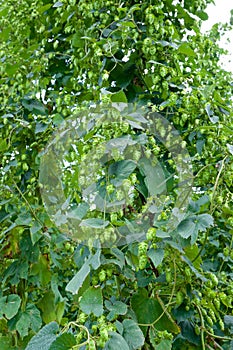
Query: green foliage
{"type": "Point", "coordinates": [171, 286]}
{"type": "Point", "coordinates": [92, 301]}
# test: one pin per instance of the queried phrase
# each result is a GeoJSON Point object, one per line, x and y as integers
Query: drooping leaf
{"type": "Point", "coordinates": [208, 110]}
{"type": "Point", "coordinates": [34, 106]}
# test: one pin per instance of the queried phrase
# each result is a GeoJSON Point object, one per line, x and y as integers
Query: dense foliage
{"type": "Point", "coordinates": [173, 289]}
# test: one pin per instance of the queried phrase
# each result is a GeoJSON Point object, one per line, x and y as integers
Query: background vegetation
{"type": "Point", "coordinates": [173, 290]}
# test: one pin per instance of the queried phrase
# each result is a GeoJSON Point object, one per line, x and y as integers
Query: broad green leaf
{"type": "Point", "coordinates": [188, 20]}
{"type": "Point", "coordinates": [60, 308]}
{"type": "Point", "coordinates": [208, 110]}
{"type": "Point", "coordinates": [94, 223]}
{"type": "Point", "coordinates": [77, 281]}
{"type": "Point", "coordinates": [78, 212]}
{"type": "Point", "coordinates": [230, 148]}
{"type": "Point", "coordinates": [9, 306]}
{"type": "Point", "coordinates": [191, 252]}
{"type": "Point", "coordinates": [44, 8]}
{"type": "Point", "coordinates": [58, 4]}
{"type": "Point", "coordinates": [133, 334]}
{"type": "Point", "coordinates": [41, 269]}
{"type": "Point", "coordinates": [186, 228]}
{"type": "Point", "coordinates": [40, 127]}
{"type": "Point", "coordinates": [194, 270]}
{"type": "Point", "coordinates": [191, 225]}
{"type": "Point", "coordinates": [123, 77]}
{"type": "Point", "coordinates": [148, 310]}
{"type": "Point", "coordinates": [202, 15]}
{"type": "Point", "coordinates": [49, 308]}
{"type": "Point", "coordinates": [77, 40]}
{"type": "Point", "coordinates": [44, 338]}
{"type": "Point", "coordinates": [164, 345]}
{"type": "Point", "coordinates": [5, 343]}
{"type": "Point", "coordinates": [94, 260]}
{"type": "Point", "coordinates": [11, 69]}
{"type": "Point", "coordinates": [29, 319]}
{"type": "Point", "coordinates": [92, 301]}
{"type": "Point", "coordinates": [120, 143]}
{"type": "Point", "coordinates": [16, 271]}
{"type": "Point", "coordinates": [5, 33]}
{"type": "Point", "coordinates": [127, 24]}
{"type": "Point", "coordinates": [115, 308]}
{"type": "Point", "coordinates": [156, 256]}
{"type": "Point", "coordinates": [186, 50]}
{"type": "Point", "coordinates": [64, 341]}
{"type": "Point", "coordinates": [116, 342]}
{"type": "Point", "coordinates": [154, 176]}
{"type": "Point", "coordinates": [34, 231]}
{"type": "Point", "coordinates": [228, 320]}
{"type": "Point", "coordinates": [189, 333]}
{"type": "Point", "coordinates": [110, 47]}
{"type": "Point", "coordinates": [3, 145]}
{"type": "Point", "coordinates": [119, 255]}
{"type": "Point", "coordinates": [119, 97]}
{"type": "Point", "coordinates": [24, 219]}
{"type": "Point", "coordinates": [58, 119]}
{"type": "Point", "coordinates": [35, 107]}
{"type": "Point", "coordinates": [121, 169]}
